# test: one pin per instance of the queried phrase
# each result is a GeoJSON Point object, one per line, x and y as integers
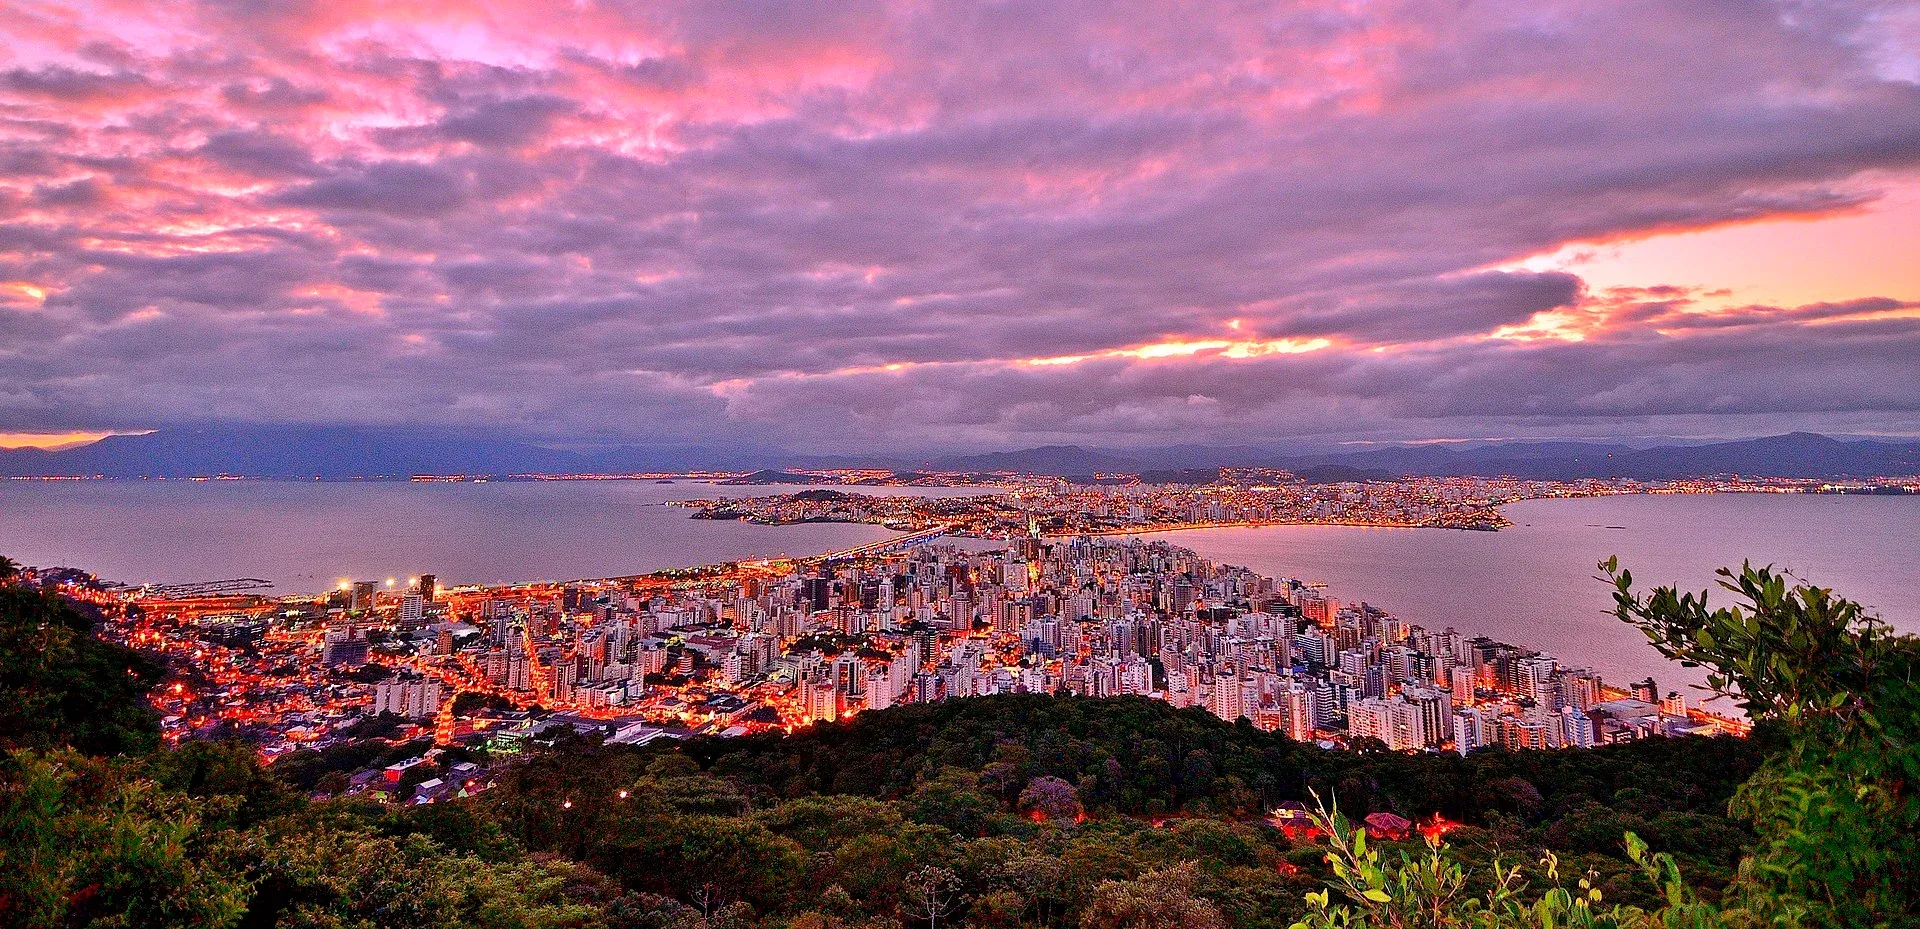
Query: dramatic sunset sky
{"type": "Point", "coordinates": [878, 226]}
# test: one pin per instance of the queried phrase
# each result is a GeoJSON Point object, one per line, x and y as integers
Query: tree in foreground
{"type": "Point", "coordinates": [1160, 899]}
{"type": "Point", "coordinates": [931, 894]}
{"type": "Point", "coordinates": [1430, 890]}
{"type": "Point", "coordinates": [62, 686]}
{"type": "Point", "coordinates": [1836, 811]}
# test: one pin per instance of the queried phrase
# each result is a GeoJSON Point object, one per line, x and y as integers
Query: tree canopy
{"type": "Point", "coordinates": [64, 686]}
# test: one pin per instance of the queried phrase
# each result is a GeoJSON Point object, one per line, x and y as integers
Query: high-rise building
{"type": "Point", "coordinates": [815, 592]}
{"type": "Point", "coordinates": [880, 690]}
{"type": "Point", "coordinates": [1535, 680]}
{"type": "Point", "coordinates": [1434, 708]}
{"type": "Point", "coordinates": [562, 677]}
{"type": "Point", "coordinates": [1580, 689]}
{"type": "Point", "coordinates": [413, 612]}
{"type": "Point", "coordinates": [519, 674]}
{"type": "Point", "coordinates": [362, 596]}
{"type": "Point", "coordinates": [411, 696]}
{"type": "Point", "coordinates": [1462, 681]}
{"type": "Point", "coordinates": [1183, 595]}
{"type": "Point", "coordinates": [1225, 700]}
{"type": "Point", "coordinates": [821, 700]}
{"type": "Point", "coordinates": [1296, 704]}
{"type": "Point", "coordinates": [1469, 730]}
{"type": "Point", "coordinates": [1369, 718]}
{"type": "Point", "coordinates": [347, 649]}
{"type": "Point", "coordinates": [1576, 727]}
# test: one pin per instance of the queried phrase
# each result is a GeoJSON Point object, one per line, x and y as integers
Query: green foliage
{"type": "Point", "coordinates": [1160, 899]}
{"type": "Point", "coordinates": [306, 769]}
{"type": "Point", "coordinates": [1838, 809]}
{"type": "Point", "coordinates": [1143, 757]}
{"type": "Point", "coordinates": [312, 872]}
{"type": "Point", "coordinates": [63, 686]}
{"type": "Point", "coordinates": [1431, 891]}
{"type": "Point", "coordinates": [204, 837]}
{"type": "Point", "coordinates": [82, 842]}
{"type": "Point", "coordinates": [1132, 755]}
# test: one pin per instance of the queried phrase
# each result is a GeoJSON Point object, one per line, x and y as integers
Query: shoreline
{"type": "Point", "coordinates": [671, 574]}
{"type": "Point", "coordinates": [1499, 508]}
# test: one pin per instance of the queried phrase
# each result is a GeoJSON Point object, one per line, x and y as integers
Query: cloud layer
{"type": "Point", "coordinates": [919, 225]}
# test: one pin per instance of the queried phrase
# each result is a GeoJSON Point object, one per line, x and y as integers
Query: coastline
{"type": "Point", "coordinates": [709, 510]}
{"type": "Point", "coordinates": [303, 580]}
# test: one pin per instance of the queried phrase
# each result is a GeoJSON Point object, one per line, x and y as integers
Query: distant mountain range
{"type": "Point", "coordinates": [341, 453]}
{"type": "Point", "coordinates": [1051, 459]}
{"type": "Point", "coordinates": [1798, 454]}
{"type": "Point", "coordinates": [335, 453]}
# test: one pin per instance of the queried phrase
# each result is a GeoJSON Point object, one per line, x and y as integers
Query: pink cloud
{"type": "Point", "coordinates": [724, 219]}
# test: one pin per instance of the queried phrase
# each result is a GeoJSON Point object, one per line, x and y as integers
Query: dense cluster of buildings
{"type": "Point", "coordinates": [787, 644]}
{"type": "Point", "coordinates": [1236, 497]}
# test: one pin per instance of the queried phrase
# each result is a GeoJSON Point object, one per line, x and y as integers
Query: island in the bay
{"type": "Point", "coordinates": [1016, 504]}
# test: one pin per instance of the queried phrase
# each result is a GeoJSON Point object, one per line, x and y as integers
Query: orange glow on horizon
{"type": "Point", "coordinates": [52, 441]}
{"type": "Point", "coordinates": [1779, 260]}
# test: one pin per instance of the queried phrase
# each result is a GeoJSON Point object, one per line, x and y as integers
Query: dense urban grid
{"type": "Point", "coordinates": [784, 644]}
{"type": "Point", "coordinates": [1235, 497]}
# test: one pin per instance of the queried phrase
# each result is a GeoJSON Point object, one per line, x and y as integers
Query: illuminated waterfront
{"type": "Point", "coordinates": [762, 646]}
{"type": "Point", "coordinates": [1529, 583]}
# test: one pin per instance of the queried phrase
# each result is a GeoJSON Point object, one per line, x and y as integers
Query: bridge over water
{"type": "Point", "coordinates": [884, 545]}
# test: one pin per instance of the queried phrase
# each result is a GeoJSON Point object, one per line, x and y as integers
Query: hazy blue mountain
{"type": "Point", "coordinates": [398, 452]}
{"type": "Point", "coordinates": [284, 451]}
{"type": "Point", "coordinates": [629, 459]}
{"type": "Point", "coordinates": [1047, 459]}
{"type": "Point", "coordinates": [1799, 453]}
{"type": "Point", "coordinates": [341, 452]}
{"type": "Point", "coordinates": [1795, 455]}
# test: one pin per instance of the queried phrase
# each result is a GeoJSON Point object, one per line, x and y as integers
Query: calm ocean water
{"type": "Point", "coordinates": [1531, 584]}
{"type": "Point", "coordinates": [306, 537]}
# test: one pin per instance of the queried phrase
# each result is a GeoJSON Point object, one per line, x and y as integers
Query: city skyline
{"type": "Point", "coordinates": [885, 228]}
{"type": "Point", "coordinates": [783, 644]}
